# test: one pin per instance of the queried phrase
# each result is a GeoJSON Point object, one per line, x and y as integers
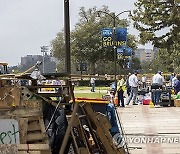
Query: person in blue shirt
{"type": "Point", "coordinates": [171, 77]}
{"type": "Point", "coordinates": [177, 85]}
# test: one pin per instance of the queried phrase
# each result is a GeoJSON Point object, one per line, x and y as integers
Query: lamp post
{"type": "Point", "coordinates": [44, 50]}
{"type": "Point", "coordinates": [114, 16]}
{"type": "Point", "coordinates": [67, 37]}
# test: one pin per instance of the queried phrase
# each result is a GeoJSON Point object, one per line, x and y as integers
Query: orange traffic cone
{"type": "Point", "coordinates": [116, 99]}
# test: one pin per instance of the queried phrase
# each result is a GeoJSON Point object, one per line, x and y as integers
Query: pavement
{"type": "Point", "coordinates": [151, 130]}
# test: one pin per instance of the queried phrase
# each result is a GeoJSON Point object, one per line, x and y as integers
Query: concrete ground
{"type": "Point", "coordinates": [151, 130]}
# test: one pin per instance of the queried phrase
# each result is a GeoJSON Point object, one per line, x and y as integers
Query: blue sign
{"type": "Point", "coordinates": [124, 51]}
{"type": "Point", "coordinates": [121, 37]}
{"type": "Point", "coordinates": [121, 34]}
{"type": "Point", "coordinates": [108, 37]}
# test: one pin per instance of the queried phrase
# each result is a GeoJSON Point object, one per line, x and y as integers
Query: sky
{"type": "Point", "coordinates": [26, 25]}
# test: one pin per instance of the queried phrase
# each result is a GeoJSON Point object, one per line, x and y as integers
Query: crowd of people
{"type": "Point", "coordinates": [132, 84]}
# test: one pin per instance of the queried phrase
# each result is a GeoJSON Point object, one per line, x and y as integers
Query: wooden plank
{"type": "Point", "coordinates": [33, 137]}
{"type": "Point", "coordinates": [23, 124]}
{"type": "Point", "coordinates": [33, 126]}
{"type": "Point", "coordinates": [41, 124]}
{"type": "Point", "coordinates": [33, 118]}
{"type": "Point", "coordinates": [101, 131]}
{"type": "Point", "coordinates": [42, 127]}
{"type": "Point", "coordinates": [20, 112]}
{"type": "Point", "coordinates": [83, 151]}
{"type": "Point", "coordinates": [104, 120]}
{"type": "Point", "coordinates": [35, 147]}
{"type": "Point", "coordinates": [30, 152]}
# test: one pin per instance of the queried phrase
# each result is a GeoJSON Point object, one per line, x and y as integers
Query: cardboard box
{"type": "Point", "coordinates": [177, 102]}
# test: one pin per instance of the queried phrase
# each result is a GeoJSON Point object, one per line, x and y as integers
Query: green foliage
{"type": "Point", "coordinates": [86, 39]}
{"type": "Point", "coordinates": [159, 22]}
{"type": "Point", "coordinates": [58, 46]}
{"type": "Point", "coordinates": [164, 62]}
{"type": "Point", "coordinates": [152, 16]}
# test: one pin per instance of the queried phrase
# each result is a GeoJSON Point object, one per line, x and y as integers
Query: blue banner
{"type": "Point", "coordinates": [124, 51]}
{"type": "Point", "coordinates": [108, 37]}
{"type": "Point", "coordinates": [121, 34]}
{"type": "Point", "coordinates": [121, 37]}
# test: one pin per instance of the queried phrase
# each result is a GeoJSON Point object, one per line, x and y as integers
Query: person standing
{"type": "Point", "coordinates": [177, 85]}
{"type": "Point", "coordinates": [171, 77]}
{"type": "Point", "coordinates": [133, 82]}
{"type": "Point", "coordinates": [92, 82]}
{"type": "Point", "coordinates": [174, 80]}
{"type": "Point", "coordinates": [128, 87]}
{"type": "Point", "coordinates": [157, 83]}
{"type": "Point", "coordinates": [143, 79]}
{"type": "Point", "coordinates": [120, 90]}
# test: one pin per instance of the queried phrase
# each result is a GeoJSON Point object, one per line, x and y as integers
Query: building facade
{"type": "Point", "coordinates": [30, 60]}
{"type": "Point", "coordinates": [145, 54]}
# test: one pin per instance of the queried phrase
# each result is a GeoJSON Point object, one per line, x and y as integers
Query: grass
{"type": "Point", "coordinates": [89, 95]}
{"type": "Point", "coordinates": [89, 88]}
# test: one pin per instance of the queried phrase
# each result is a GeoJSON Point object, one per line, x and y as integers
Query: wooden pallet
{"type": "Point", "coordinates": [32, 130]}
{"type": "Point", "coordinates": [98, 129]}
{"type": "Point", "coordinates": [32, 134]}
{"type": "Point", "coordinates": [24, 149]}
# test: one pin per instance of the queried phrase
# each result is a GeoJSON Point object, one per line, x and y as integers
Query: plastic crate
{"type": "Point", "coordinates": [146, 101]}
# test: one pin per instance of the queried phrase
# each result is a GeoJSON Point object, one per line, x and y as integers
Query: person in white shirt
{"type": "Point", "coordinates": [92, 82]}
{"type": "Point", "coordinates": [143, 81]}
{"type": "Point", "coordinates": [158, 79]}
{"type": "Point", "coordinates": [157, 83]}
{"type": "Point", "coordinates": [133, 82]}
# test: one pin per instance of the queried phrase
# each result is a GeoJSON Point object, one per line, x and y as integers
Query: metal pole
{"type": "Point", "coordinates": [67, 37]}
{"type": "Point", "coordinates": [114, 47]}
{"type": "Point", "coordinates": [43, 61]}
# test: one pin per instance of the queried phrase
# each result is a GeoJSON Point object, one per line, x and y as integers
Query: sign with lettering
{"type": "Point", "coordinates": [9, 131]}
{"type": "Point", "coordinates": [109, 40]}
{"type": "Point", "coordinates": [124, 51]}
{"type": "Point", "coordinates": [107, 37]}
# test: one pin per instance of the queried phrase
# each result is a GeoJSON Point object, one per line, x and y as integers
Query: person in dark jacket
{"type": "Point", "coordinates": [177, 85]}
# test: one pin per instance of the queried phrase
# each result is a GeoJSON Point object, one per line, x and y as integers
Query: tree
{"type": "Point", "coordinates": [58, 50]}
{"type": "Point", "coordinates": [86, 44]}
{"type": "Point", "coordinates": [158, 22]}
{"type": "Point", "coordinates": [152, 16]}
{"type": "Point", "coordinates": [86, 39]}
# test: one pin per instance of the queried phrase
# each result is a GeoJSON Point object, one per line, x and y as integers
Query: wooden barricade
{"type": "Point", "coordinates": [96, 137]}
{"type": "Point", "coordinates": [32, 134]}
{"type": "Point", "coordinates": [30, 129]}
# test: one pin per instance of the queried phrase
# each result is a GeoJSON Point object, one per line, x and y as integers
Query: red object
{"type": "Point", "coordinates": [146, 101]}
